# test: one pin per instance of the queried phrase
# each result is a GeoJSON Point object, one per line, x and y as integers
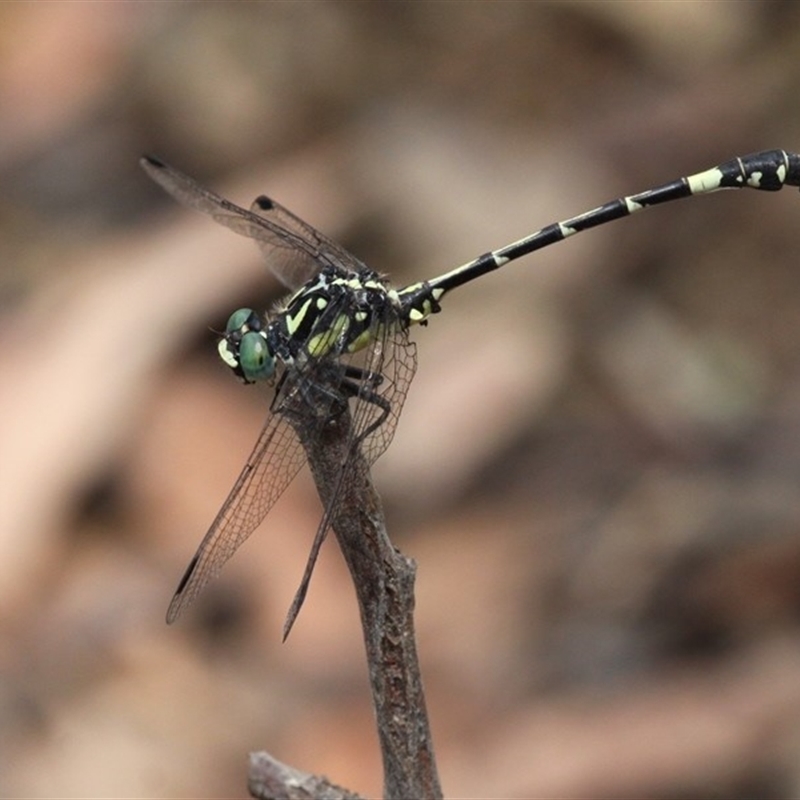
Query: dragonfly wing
{"type": "Point", "coordinates": [311, 561]}
{"type": "Point", "coordinates": [304, 263]}
{"type": "Point", "coordinates": [375, 413]}
{"type": "Point", "coordinates": [302, 251]}
{"type": "Point", "coordinates": [275, 460]}
{"type": "Point", "coordinates": [394, 357]}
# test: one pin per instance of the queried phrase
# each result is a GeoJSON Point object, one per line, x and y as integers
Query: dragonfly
{"type": "Point", "coordinates": [340, 342]}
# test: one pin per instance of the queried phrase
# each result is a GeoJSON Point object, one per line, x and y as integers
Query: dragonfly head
{"type": "Point", "coordinates": [245, 349]}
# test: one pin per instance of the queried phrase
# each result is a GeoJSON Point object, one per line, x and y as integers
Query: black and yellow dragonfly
{"type": "Point", "coordinates": [341, 342]}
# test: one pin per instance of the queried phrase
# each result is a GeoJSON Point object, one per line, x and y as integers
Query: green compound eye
{"type": "Point", "coordinates": [244, 348]}
{"type": "Point", "coordinates": [244, 317]}
{"type": "Point", "coordinates": [255, 359]}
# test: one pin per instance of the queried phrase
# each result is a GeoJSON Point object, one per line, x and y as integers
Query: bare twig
{"type": "Point", "coordinates": [270, 779]}
{"type": "Point", "coordinates": [384, 583]}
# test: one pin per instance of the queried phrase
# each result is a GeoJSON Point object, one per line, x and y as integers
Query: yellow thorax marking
{"type": "Point", "coordinates": [294, 321]}
{"type": "Point", "coordinates": [323, 342]}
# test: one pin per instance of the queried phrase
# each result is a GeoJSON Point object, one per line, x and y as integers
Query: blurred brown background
{"type": "Point", "coordinates": [598, 465]}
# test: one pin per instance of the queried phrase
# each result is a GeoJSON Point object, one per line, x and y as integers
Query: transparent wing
{"type": "Point", "coordinates": [387, 367]}
{"type": "Point", "coordinates": [295, 250]}
{"type": "Point", "coordinates": [275, 460]}
{"type": "Point", "coordinates": [298, 265]}
{"type": "Point", "coordinates": [394, 357]}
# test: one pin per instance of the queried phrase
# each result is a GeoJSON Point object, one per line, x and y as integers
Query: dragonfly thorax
{"type": "Point", "coordinates": [336, 312]}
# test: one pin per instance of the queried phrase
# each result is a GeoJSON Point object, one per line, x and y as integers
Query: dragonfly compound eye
{"type": "Point", "coordinates": [243, 320]}
{"type": "Point", "coordinates": [256, 361]}
{"type": "Point", "coordinates": [244, 347]}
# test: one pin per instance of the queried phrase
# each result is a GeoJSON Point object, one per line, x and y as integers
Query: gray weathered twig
{"type": "Point", "coordinates": [384, 583]}
{"type": "Point", "coordinates": [270, 779]}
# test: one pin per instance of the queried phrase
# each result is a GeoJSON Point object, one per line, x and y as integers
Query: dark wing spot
{"type": "Point", "coordinates": [186, 575]}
